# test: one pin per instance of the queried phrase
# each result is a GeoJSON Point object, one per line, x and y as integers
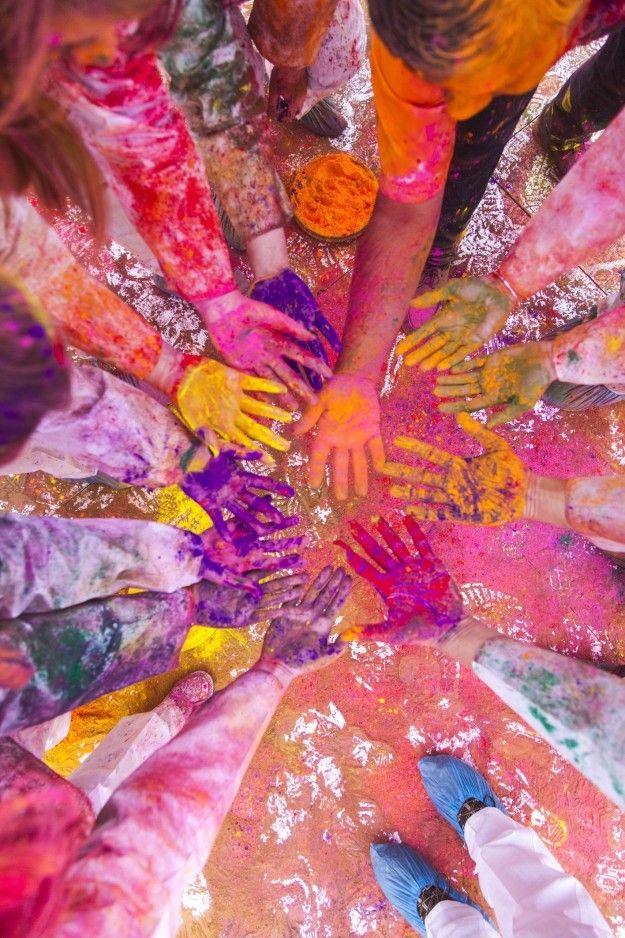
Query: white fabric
{"type": "Point", "coordinates": [456, 920]}
{"type": "Point", "coordinates": [530, 892]}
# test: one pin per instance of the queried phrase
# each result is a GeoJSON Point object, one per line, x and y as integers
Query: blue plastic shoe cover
{"type": "Point", "coordinates": [449, 782]}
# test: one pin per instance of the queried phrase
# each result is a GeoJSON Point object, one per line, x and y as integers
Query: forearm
{"type": "Point", "coordinates": [583, 214]}
{"type": "Point", "coordinates": [52, 563]}
{"type": "Point", "coordinates": [389, 262]}
{"type": "Point", "coordinates": [156, 832]}
{"type": "Point", "coordinates": [594, 352]}
{"type": "Point", "coordinates": [291, 33]}
{"type": "Point", "coordinates": [86, 651]}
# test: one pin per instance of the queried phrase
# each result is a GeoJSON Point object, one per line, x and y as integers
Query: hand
{"type": "Point", "coordinates": [224, 484]}
{"type": "Point", "coordinates": [348, 413]}
{"type": "Point", "coordinates": [516, 376]}
{"type": "Point", "coordinates": [486, 489]}
{"type": "Point", "coordinates": [298, 638]}
{"type": "Point", "coordinates": [473, 310]}
{"type": "Point", "coordinates": [231, 560]}
{"type": "Point", "coordinates": [422, 600]}
{"type": "Point", "coordinates": [226, 607]}
{"type": "Point", "coordinates": [252, 336]}
{"type": "Point", "coordinates": [211, 399]}
{"type": "Point", "coordinates": [289, 293]}
{"type": "Point", "coordinates": [288, 88]}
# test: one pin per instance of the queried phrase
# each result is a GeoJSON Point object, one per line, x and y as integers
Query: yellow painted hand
{"type": "Point", "coordinates": [486, 489]}
{"type": "Point", "coordinates": [211, 399]}
{"type": "Point", "coordinates": [473, 310]}
{"type": "Point", "coordinates": [516, 376]}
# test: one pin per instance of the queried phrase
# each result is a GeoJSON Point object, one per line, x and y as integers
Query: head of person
{"type": "Point", "coordinates": [40, 151]}
{"type": "Point", "coordinates": [34, 372]}
{"type": "Point", "coordinates": [477, 49]}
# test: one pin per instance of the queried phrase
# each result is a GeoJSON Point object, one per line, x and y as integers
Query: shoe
{"type": "Point", "coordinates": [562, 148]}
{"type": "Point", "coordinates": [576, 397]}
{"type": "Point", "coordinates": [324, 119]}
{"type": "Point", "coordinates": [456, 790]}
{"type": "Point", "coordinates": [411, 885]}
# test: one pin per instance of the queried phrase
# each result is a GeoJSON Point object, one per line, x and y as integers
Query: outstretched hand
{"type": "Point", "coordinates": [422, 600]}
{"type": "Point", "coordinates": [298, 638]}
{"type": "Point", "coordinates": [486, 489]}
{"type": "Point", "coordinates": [472, 312]}
{"type": "Point", "coordinates": [348, 424]}
{"type": "Point", "coordinates": [232, 562]}
{"type": "Point", "coordinates": [227, 607]}
{"type": "Point", "coordinates": [516, 376]}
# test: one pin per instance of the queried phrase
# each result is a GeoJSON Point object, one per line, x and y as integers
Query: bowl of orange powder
{"type": "Point", "coordinates": [333, 197]}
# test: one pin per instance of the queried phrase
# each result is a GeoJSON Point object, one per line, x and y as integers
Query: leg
{"type": "Point", "coordinates": [530, 892]}
{"type": "Point", "coordinates": [451, 919]}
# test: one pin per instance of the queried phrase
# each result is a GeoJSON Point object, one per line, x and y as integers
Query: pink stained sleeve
{"type": "Point", "coordinates": [593, 353]}
{"type": "Point", "coordinates": [145, 151]}
{"type": "Point", "coordinates": [583, 214]}
{"type": "Point", "coordinates": [595, 507]}
{"type": "Point", "coordinates": [89, 315]}
{"type": "Point", "coordinates": [156, 832]}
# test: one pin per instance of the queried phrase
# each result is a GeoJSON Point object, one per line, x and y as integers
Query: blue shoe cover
{"type": "Point", "coordinates": [403, 874]}
{"type": "Point", "coordinates": [449, 782]}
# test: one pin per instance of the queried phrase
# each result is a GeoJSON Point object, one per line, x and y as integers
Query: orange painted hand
{"type": "Point", "coordinates": [486, 489]}
{"type": "Point", "coordinates": [348, 419]}
{"type": "Point", "coordinates": [473, 310]}
{"type": "Point", "coordinates": [212, 402]}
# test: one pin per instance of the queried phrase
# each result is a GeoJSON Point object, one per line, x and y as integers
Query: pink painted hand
{"type": "Point", "coordinates": [516, 376]}
{"type": "Point", "coordinates": [298, 638]}
{"type": "Point", "coordinates": [348, 418]}
{"type": "Point", "coordinates": [255, 337]}
{"type": "Point", "coordinates": [422, 600]}
{"type": "Point", "coordinates": [486, 489]}
{"type": "Point", "coordinates": [472, 311]}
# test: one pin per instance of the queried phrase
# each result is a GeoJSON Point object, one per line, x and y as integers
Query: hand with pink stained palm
{"type": "Point", "coordinates": [423, 602]}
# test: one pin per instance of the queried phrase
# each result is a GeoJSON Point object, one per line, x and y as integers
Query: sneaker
{"type": "Point", "coordinates": [411, 885]}
{"type": "Point", "coordinates": [563, 150]}
{"type": "Point", "coordinates": [324, 119]}
{"type": "Point", "coordinates": [456, 790]}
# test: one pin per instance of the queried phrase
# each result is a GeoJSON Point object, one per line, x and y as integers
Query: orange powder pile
{"type": "Point", "coordinates": [333, 196]}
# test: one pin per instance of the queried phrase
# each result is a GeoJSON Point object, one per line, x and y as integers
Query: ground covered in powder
{"type": "Point", "coordinates": [337, 768]}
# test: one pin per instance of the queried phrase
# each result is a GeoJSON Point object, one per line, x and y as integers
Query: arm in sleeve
{"type": "Point", "coordinates": [145, 151]}
{"type": "Point", "coordinates": [290, 32]}
{"type": "Point", "coordinates": [217, 80]}
{"type": "Point", "coordinates": [594, 352]}
{"type": "Point", "coordinates": [578, 708]}
{"type": "Point", "coordinates": [416, 134]}
{"type": "Point", "coordinates": [583, 214]}
{"type": "Point", "coordinates": [89, 315]}
{"type": "Point", "coordinates": [52, 563]}
{"type": "Point", "coordinates": [156, 832]}
{"type": "Point", "coordinates": [86, 651]}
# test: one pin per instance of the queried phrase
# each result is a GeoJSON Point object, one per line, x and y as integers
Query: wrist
{"type": "Point", "coordinates": [365, 372]}
{"type": "Point", "coordinates": [545, 500]}
{"type": "Point", "coordinates": [168, 370]}
{"type": "Point", "coordinates": [504, 280]}
{"type": "Point", "coordinates": [268, 254]}
{"type": "Point", "coordinates": [548, 358]}
{"type": "Point", "coordinates": [212, 310]}
{"type": "Point", "coordinates": [277, 669]}
{"type": "Point", "coordinates": [464, 642]}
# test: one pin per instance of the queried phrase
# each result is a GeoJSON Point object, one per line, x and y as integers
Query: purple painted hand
{"type": "Point", "coordinates": [288, 293]}
{"type": "Point", "coordinates": [224, 484]}
{"type": "Point", "coordinates": [298, 638]}
{"type": "Point", "coordinates": [225, 607]}
{"type": "Point", "coordinates": [422, 600]}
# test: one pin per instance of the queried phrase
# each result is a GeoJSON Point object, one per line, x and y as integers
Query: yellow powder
{"type": "Point", "coordinates": [333, 196]}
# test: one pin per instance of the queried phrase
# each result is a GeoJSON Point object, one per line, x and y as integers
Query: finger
{"type": "Point", "coordinates": [294, 382]}
{"type": "Point", "coordinates": [316, 587]}
{"type": "Point", "coordinates": [476, 403]}
{"type": "Point", "coordinates": [250, 405]}
{"type": "Point", "coordinates": [271, 545]}
{"type": "Point", "coordinates": [376, 450]}
{"type": "Point", "coordinates": [361, 566]}
{"type": "Point", "coordinates": [274, 564]}
{"type": "Point", "coordinates": [304, 358]}
{"type": "Point", "coordinates": [419, 335]}
{"type": "Point", "coordinates": [246, 517]}
{"type": "Point", "coordinates": [457, 390]}
{"type": "Point", "coordinates": [220, 523]}
{"type": "Point", "coordinates": [431, 512]}
{"type": "Point", "coordinates": [419, 539]}
{"type": "Point", "coordinates": [252, 383]}
{"type": "Point", "coordinates": [327, 594]}
{"type": "Point", "coordinates": [335, 595]}
{"type": "Point", "coordinates": [318, 458]}
{"type": "Point", "coordinates": [458, 356]}
{"type": "Point", "coordinates": [308, 420]}
{"type": "Point", "coordinates": [424, 451]}
{"type": "Point", "coordinates": [420, 493]}
{"type": "Point", "coordinates": [437, 342]}
{"type": "Point", "coordinates": [340, 473]}
{"type": "Point", "coordinates": [430, 298]}
{"type": "Point", "coordinates": [328, 332]}
{"type": "Point", "coordinates": [237, 436]}
{"type": "Point", "coordinates": [361, 473]}
{"type": "Point", "coordinates": [371, 546]}
{"type": "Point", "coordinates": [268, 484]}
{"type": "Point", "coordinates": [473, 364]}
{"type": "Point", "coordinates": [458, 379]}
{"type": "Point", "coordinates": [432, 361]}
{"type": "Point", "coordinates": [261, 505]}
{"type": "Point", "coordinates": [264, 434]}
{"type": "Point", "coordinates": [282, 322]}
{"type": "Point", "coordinates": [397, 470]}
{"type": "Point", "coordinates": [511, 412]}
{"type": "Point", "coordinates": [393, 540]}
{"type": "Point", "coordinates": [490, 442]}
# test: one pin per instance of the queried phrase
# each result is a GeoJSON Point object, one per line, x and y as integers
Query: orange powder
{"type": "Point", "coordinates": [333, 196]}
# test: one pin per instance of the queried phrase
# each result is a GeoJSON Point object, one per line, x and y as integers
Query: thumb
{"type": "Point", "coordinates": [430, 298]}
{"type": "Point", "coordinates": [308, 420]}
{"type": "Point", "coordinates": [490, 442]}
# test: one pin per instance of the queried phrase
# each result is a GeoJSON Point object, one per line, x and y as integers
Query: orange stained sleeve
{"type": "Point", "coordinates": [290, 32]}
{"type": "Point", "coordinates": [416, 134]}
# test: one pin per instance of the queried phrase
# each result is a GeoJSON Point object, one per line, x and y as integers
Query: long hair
{"type": "Point", "coordinates": [40, 150]}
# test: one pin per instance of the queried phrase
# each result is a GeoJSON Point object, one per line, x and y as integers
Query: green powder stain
{"type": "Point", "coordinates": [542, 719]}
{"type": "Point", "coordinates": [566, 539]}
{"type": "Point", "coordinates": [570, 743]}
{"type": "Point", "coordinates": [572, 356]}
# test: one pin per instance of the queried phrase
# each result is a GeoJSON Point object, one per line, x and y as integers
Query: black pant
{"type": "Point", "coordinates": [587, 102]}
